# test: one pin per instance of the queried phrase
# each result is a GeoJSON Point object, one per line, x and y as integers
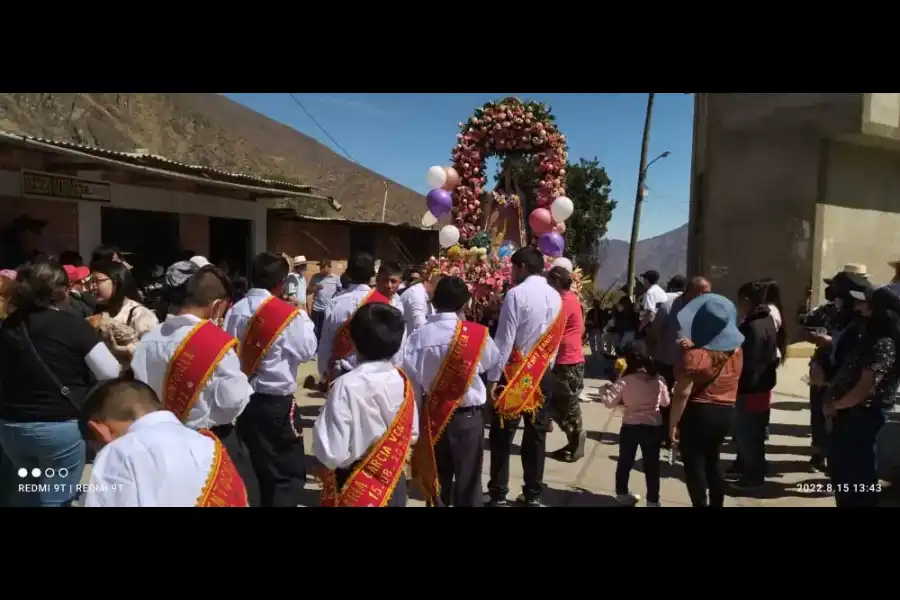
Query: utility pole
{"type": "Point", "coordinates": [639, 196]}
{"type": "Point", "coordinates": [387, 186]}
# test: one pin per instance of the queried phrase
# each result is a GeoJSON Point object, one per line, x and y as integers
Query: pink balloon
{"type": "Point", "coordinates": [452, 178]}
{"type": "Point", "coordinates": [540, 220]}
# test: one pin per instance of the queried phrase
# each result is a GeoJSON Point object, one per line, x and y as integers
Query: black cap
{"type": "Point", "coordinates": [650, 274]}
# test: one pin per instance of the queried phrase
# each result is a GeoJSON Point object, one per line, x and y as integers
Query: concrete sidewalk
{"type": "Point", "coordinates": [591, 481]}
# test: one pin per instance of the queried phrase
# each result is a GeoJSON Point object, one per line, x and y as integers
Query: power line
{"type": "Point", "coordinates": [319, 125]}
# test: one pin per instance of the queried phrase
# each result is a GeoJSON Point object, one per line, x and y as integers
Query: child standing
{"type": "Point", "coordinates": [642, 392]}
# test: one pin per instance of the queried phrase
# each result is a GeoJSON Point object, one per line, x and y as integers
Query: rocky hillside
{"type": "Point", "coordinates": [211, 130]}
{"type": "Point", "coordinates": [666, 253]}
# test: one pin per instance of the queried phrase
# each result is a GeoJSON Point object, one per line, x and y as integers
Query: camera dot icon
{"type": "Point", "coordinates": [23, 473]}
{"type": "Point", "coordinates": [35, 472]}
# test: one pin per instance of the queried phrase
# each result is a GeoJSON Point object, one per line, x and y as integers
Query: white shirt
{"type": "Point", "coordinates": [360, 408]}
{"type": "Point", "coordinates": [158, 462]}
{"type": "Point", "coordinates": [416, 307]}
{"type": "Point", "coordinates": [527, 312]}
{"type": "Point", "coordinates": [653, 296]}
{"type": "Point", "coordinates": [137, 316]}
{"type": "Point", "coordinates": [426, 349]}
{"type": "Point", "coordinates": [276, 374]}
{"type": "Point", "coordinates": [227, 390]}
{"type": "Point", "coordinates": [339, 310]}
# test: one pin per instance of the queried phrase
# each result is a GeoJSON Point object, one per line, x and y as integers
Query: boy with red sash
{"type": "Point", "coordinates": [370, 419]}
{"type": "Point", "coordinates": [528, 336]}
{"type": "Point", "coordinates": [445, 357]}
{"type": "Point", "coordinates": [192, 365]}
{"type": "Point", "coordinates": [274, 337]}
{"type": "Point", "coordinates": [149, 458]}
{"type": "Point", "coordinates": [335, 350]}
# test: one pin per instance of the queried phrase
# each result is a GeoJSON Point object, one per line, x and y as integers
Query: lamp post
{"type": "Point", "coordinates": [639, 196]}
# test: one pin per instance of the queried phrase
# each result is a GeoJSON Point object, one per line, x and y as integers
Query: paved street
{"type": "Point", "coordinates": [591, 481]}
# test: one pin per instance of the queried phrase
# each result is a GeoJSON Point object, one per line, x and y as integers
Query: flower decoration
{"type": "Point", "coordinates": [482, 239]}
{"type": "Point", "coordinates": [499, 128]}
{"type": "Point", "coordinates": [503, 199]}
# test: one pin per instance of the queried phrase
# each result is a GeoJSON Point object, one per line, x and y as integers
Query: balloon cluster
{"type": "Point", "coordinates": [440, 202]}
{"type": "Point", "coordinates": [499, 128]}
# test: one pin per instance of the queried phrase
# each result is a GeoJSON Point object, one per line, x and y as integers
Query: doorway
{"type": "Point", "coordinates": [229, 241]}
{"type": "Point", "coordinates": [150, 238]}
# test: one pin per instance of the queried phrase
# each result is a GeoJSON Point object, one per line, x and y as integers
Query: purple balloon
{"type": "Point", "coordinates": [440, 202]}
{"type": "Point", "coordinates": [551, 244]}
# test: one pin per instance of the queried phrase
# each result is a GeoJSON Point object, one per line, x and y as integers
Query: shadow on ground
{"type": "Point", "coordinates": [791, 405]}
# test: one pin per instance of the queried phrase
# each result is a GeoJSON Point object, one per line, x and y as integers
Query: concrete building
{"type": "Point", "coordinates": [793, 186]}
{"type": "Point", "coordinates": [146, 204]}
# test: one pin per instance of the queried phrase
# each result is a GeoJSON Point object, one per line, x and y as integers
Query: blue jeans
{"type": "Point", "coordinates": [53, 450]}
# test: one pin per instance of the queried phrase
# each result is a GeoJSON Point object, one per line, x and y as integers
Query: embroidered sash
{"type": "Point", "coordinates": [377, 474]}
{"type": "Point", "coordinates": [224, 486]}
{"type": "Point", "coordinates": [459, 368]}
{"type": "Point", "coordinates": [342, 346]}
{"type": "Point", "coordinates": [522, 393]}
{"type": "Point", "coordinates": [192, 365]}
{"type": "Point", "coordinates": [266, 324]}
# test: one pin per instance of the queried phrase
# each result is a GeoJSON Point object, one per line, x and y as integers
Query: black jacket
{"type": "Point", "coordinates": [760, 350]}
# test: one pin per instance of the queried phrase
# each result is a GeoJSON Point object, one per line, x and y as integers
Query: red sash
{"type": "Point", "coordinates": [375, 477]}
{"type": "Point", "coordinates": [342, 346]}
{"type": "Point", "coordinates": [191, 366]}
{"type": "Point", "coordinates": [224, 486]}
{"type": "Point", "coordinates": [459, 368]}
{"type": "Point", "coordinates": [522, 393]}
{"type": "Point", "coordinates": [270, 319]}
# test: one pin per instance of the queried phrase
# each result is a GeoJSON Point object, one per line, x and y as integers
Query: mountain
{"type": "Point", "coordinates": [212, 130]}
{"type": "Point", "coordinates": [666, 253]}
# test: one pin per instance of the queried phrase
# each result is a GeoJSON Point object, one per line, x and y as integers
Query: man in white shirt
{"type": "Point", "coordinates": [192, 365]}
{"type": "Point", "coordinates": [295, 288]}
{"type": "Point", "coordinates": [416, 302]}
{"type": "Point", "coordinates": [528, 337]}
{"type": "Point", "coordinates": [149, 458]}
{"type": "Point", "coordinates": [274, 337]}
{"type": "Point", "coordinates": [653, 296]}
{"type": "Point", "coordinates": [444, 359]}
{"type": "Point", "coordinates": [335, 350]}
{"type": "Point", "coordinates": [370, 419]}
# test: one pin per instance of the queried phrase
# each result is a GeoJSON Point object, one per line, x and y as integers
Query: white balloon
{"type": "Point", "coordinates": [436, 177]}
{"type": "Point", "coordinates": [561, 209]}
{"type": "Point", "coordinates": [448, 236]}
{"type": "Point", "coordinates": [563, 262]}
{"type": "Point", "coordinates": [428, 219]}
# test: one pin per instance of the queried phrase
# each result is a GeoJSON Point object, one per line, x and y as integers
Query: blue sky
{"type": "Point", "coordinates": [401, 135]}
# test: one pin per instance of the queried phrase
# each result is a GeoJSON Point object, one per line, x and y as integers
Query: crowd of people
{"type": "Point", "coordinates": [185, 392]}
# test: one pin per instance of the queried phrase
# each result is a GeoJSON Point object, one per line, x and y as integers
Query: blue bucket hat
{"type": "Point", "coordinates": [710, 322]}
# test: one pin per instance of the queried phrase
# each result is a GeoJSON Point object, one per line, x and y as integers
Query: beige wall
{"type": "Point", "coordinates": [858, 219]}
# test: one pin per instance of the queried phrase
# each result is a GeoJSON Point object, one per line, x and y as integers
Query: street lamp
{"type": "Point", "coordinates": [639, 195]}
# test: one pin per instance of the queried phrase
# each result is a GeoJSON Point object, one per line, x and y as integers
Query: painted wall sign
{"type": "Point", "coordinates": [49, 185]}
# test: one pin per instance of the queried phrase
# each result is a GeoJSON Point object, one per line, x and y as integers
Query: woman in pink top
{"type": "Point", "coordinates": [642, 392]}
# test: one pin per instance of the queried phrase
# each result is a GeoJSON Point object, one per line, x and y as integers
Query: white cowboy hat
{"type": "Point", "coordinates": [855, 269]}
{"type": "Point", "coordinates": [299, 260]}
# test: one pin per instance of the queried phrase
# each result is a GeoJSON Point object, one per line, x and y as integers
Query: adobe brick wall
{"type": "Point", "coordinates": [61, 232]}
{"type": "Point", "coordinates": [193, 233]}
{"type": "Point", "coordinates": [296, 237]}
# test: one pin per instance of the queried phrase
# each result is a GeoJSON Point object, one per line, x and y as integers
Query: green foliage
{"type": "Point", "coordinates": [587, 185]}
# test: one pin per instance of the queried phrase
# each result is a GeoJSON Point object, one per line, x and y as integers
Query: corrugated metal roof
{"type": "Point", "coordinates": [161, 162]}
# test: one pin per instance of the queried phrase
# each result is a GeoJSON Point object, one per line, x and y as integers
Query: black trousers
{"type": "Point", "coordinates": [460, 455]}
{"type": "Point", "coordinates": [275, 451]}
{"type": "Point", "coordinates": [398, 498]}
{"type": "Point", "coordinates": [240, 456]}
{"type": "Point", "coordinates": [534, 448]}
{"type": "Point", "coordinates": [851, 456]}
{"type": "Point", "coordinates": [649, 439]}
{"type": "Point", "coordinates": [703, 428]}
{"type": "Point", "coordinates": [318, 318]}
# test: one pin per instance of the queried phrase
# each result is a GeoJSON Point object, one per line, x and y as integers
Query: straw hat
{"type": "Point", "coordinates": [851, 269]}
